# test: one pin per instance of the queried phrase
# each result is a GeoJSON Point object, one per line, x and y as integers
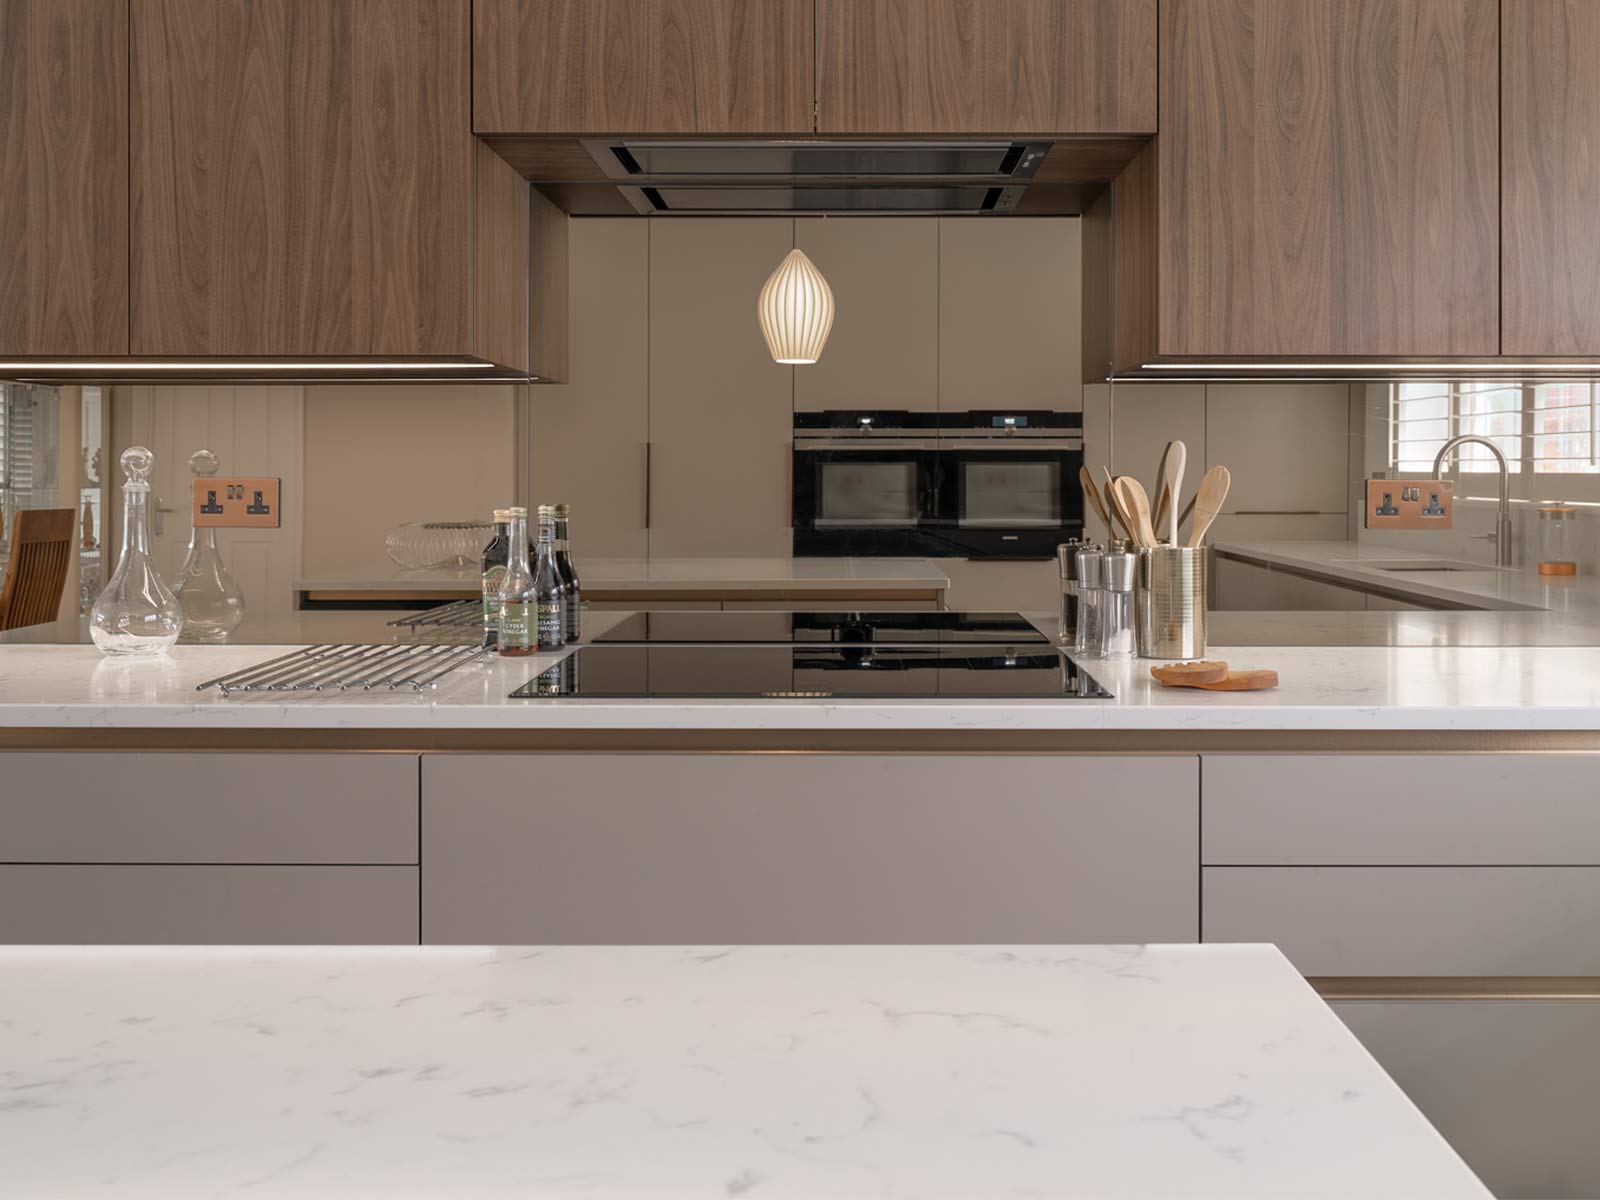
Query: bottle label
{"type": "Point", "coordinates": [516, 625]}
{"type": "Point", "coordinates": [550, 628]}
{"type": "Point", "coordinates": [491, 593]}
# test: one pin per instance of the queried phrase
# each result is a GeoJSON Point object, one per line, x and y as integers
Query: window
{"type": "Point", "coordinates": [16, 438]}
{"type": "Point", "coordinates": [1545, 428]}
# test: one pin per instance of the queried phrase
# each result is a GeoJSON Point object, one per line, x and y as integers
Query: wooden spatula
{"type": "Point", "coordinates": [1114, 503]}
{"type": "Point", "coordinates": [1163, 499]}
{"type": "Point", "coordinates": [1208, 502]}
{"type": "Point", "coordinates": [1190, 674]}
{"type": "Point", "coordinates": [1137, 503]}
{"type": "Point", "coordinates": [1174, 461]}
{"type": "Point", "coordinates": [1091, 493]}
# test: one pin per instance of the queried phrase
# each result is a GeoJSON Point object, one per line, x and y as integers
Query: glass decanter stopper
{"type": "Point", "coordinates": [136, 613]}
{"type": "Point", "coordinates": [212, 603]}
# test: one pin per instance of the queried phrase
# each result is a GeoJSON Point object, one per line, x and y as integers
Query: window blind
{"type": "Point", "coordinates": [1544, 428]}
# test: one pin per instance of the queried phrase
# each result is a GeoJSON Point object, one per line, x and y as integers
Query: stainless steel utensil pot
{"type": "Point", "coordinates": [1171, 602]}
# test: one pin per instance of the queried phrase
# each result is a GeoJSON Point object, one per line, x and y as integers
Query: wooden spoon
{"type": "Point", "coordinates": [1208, 501]}
{"type": "Point", "coordinates": [1190, 674]}
{"type": "Point", "coordinates": [1163, 498]}
{"type": "Point", "coordinates": [1137, 501]}
{"type": "Point", "coordinates": [1091, 493]}
{"type": "Point", "coordinates": [1114, 502]}
{"type": "Point", "coordinates": [1176, 458]}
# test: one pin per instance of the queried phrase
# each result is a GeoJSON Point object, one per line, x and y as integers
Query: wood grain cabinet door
{"type": "Point", "coordinates": [1550, 165]}
{"type": "Point", "coordinates": [642, 66]}
{"type": "Point", "coordinates": [1328, 177]}
{"type": "Point", "coordinates": [986, 66]}
{"type": "Point", "coordinates": [64, 170]}
{"type": "Point", "coordinates": [302, 177]}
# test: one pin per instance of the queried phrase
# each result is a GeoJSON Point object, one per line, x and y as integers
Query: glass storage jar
{"type": "Point", "coordinates": [1558, 540]}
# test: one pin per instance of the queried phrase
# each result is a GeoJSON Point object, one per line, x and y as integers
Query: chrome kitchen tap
{"type": "Point", "coordinates": [1502, 528]}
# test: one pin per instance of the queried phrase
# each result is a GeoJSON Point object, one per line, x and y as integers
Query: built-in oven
{"type": "Point", "coordinates": [982, 484]}
{"type": "Point", "coordinates": [865, 482]}
{"type": "Point", "coordinates": [1008, 483]}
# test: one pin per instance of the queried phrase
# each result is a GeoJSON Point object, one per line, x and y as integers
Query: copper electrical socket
{"type": "Point", "coordinates": [1410, 504]}
{"type": "Point", "coordinates": [235, 502]}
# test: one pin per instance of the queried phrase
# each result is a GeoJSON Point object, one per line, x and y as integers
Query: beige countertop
{"type": "Point", "coordinates": [1477, 585]}
{"type": "Point", "coordinates": [661, 574]}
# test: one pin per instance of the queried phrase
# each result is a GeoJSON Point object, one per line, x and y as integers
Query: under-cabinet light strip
{"type": "Point", "coordinates": [223, 365]}
{"type": "Point", "coordinates": [1290, 365]}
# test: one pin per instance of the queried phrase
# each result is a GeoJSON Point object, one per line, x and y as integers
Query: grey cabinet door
{"type": "Point", "coordinates": [815, 848]}
{"type": "Point", "coordinates": [192, 905]}
{"type": "Point", "coordinates": [1510, 1084]}
{"type": "Point", "coordinates": [207, 808]}
{"type": "Point", "coordinates": [1413, 920]}
{"type": "Point", "coordinates": [1399, 810]}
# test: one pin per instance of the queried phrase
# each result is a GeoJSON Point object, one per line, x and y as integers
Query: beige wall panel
{"type": "Point", "coordinates": [1286, 445]}
{"type": "Point", "coordinates": [378, 455]}
{"type": "Point", "coordinates": [721, 411]}
{"type": "Point", "coordinates": [589, 435]}
{"type": "Point", "coordinates": [1009, 313]}
{"type": "Point", "coordinates": [884, 348]}
{"type": "Point", "coordinates": [1144, 418]}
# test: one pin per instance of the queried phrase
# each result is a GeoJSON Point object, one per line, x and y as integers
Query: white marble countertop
{"type": "Point", "coordinates": [802, 1072]}
{"type": "Point", "coordinates": [1486, 587]}
{"type": "Point", "coordinates": [661, 574]}
{"type": "Point", "coordinates": [1474, 688]}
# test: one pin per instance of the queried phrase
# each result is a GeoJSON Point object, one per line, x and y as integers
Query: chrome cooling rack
{"type": "Point", "coordinates": [343, 668]}
{"type": "Point", "coordinates": [458, 614]}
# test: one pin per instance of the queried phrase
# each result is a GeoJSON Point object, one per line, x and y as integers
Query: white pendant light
{"type": "Point", "coordinates": [796, 310]}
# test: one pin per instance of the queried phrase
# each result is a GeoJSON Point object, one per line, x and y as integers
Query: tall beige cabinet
{"type": "Point", "coordinates": [884, 349]}
{"type": "Point", "coordinates": [590, 437]}
{"type": "Point", "coordinates": [721, 411]}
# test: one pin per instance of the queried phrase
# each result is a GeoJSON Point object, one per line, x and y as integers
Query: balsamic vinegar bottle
{"type": "Point", "coordinates": [572, 621]}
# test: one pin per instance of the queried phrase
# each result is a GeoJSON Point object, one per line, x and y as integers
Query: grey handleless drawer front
{"type": "Point", "coordinates": [1403, 810]}
{"type": "Point", "coordinates": [190, 905]}
{"type": "Point", "coordinates": [1406, 921]}
{"type": "Point", "coordinates": [208, 808]}
{"type": "Point", "coordinates": [809, 848]}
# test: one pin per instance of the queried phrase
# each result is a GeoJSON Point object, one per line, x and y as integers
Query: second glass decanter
{"type": "Point", "coordinates": [212, 603]}
{"type": "Point", "coordinates": [136, 612]}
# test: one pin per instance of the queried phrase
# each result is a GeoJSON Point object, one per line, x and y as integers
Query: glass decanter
{"type": "Point", "coordinates": [212, 603]}
{"type": "Point", "coordinates": [136, 612]}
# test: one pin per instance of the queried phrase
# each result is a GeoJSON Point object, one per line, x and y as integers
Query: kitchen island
{"type": "Point", "coordinates": [1413, 824]}
{"type": "Point", "coordinates": [816, 1072]}
{"type": "Point", "coordinates": [638, 582]}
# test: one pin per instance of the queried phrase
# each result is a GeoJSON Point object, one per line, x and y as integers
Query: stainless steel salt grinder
{"type": "Point", "coordinates": [1067, 559]}
{"type": "Point", "coordinates": [1116, 608]}
{"type": "Point", "coordinates": [1086, 642]}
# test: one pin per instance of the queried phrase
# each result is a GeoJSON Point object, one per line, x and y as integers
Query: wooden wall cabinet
{"type": "Point", "coordinates": [986, 66]}
{"type": "Point", "coordinates": [642, 66]}
{"type": "Point", "coordinates": [1325, 183]}
{"type": "Point", "coordinates": [64, 164]}
{"type": "Point", "coordinates": [1550, 238]}
{"type": "Point", "coordinates": [304, 182]}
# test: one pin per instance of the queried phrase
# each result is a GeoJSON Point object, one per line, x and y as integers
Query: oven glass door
{"type": "Point", "coordinates": [867, 500]}
{"type": "Point", "coordinates": [1011, 503]}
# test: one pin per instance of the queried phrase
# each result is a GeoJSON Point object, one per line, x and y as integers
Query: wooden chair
{"type": "Point", "coordinates": [41, 552]}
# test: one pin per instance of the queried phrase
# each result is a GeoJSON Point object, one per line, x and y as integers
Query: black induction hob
{"type": "Point", "coordinates": [814, 672]}
{"type": "Point", "coordinates": [666, 628]}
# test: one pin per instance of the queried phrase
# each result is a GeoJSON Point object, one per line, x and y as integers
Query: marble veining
{"type": "Point", "coordinates": [796, 1072]}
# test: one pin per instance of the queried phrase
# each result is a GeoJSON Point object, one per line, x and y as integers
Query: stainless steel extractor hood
{"type": "Point", "coordinates": [703, 178]}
